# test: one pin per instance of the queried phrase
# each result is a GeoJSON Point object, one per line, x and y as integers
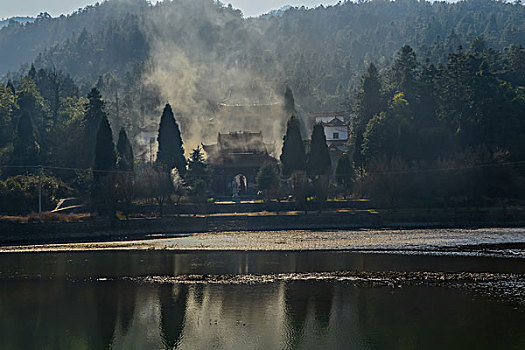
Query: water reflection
{"type": "Point", "coordinates": [82, 265]}
{"type": "Point", "coordinates": [286, 315]}
{"type": "Point", "coordinates": [303, 299]}
{"type": "Point", "coordinates": [58, 301]}
{"type": "Point", "coordinates": [172, 301]}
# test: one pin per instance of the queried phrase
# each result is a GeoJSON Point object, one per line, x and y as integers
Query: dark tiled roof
{"type": "Point", "coordinates": [341, 115]}
{"type": "Point", "coordinates": [238, 149]}
{"type": "Point", "coordinates": [335, 122]}
{"type": "Point", "coordinates": [241, 142]}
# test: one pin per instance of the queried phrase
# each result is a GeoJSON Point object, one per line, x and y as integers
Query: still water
{"type": "Point", "coordinates": [88, 301]}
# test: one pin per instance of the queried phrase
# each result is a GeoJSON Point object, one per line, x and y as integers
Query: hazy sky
{"type": "Point", "coordinates": [10, 8]}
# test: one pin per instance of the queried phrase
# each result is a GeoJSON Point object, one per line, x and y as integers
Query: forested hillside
{"type": "Point", "coordinates": [437, 90]}
{"type": "Point", "coordinates": [20, 44]}
{"type": "Point", "coordinates": [320, 52]}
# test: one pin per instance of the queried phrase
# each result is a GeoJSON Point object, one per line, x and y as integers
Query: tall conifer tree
{"type": "Point", "coordinates": [125, 164]}
{"type": "Point", "coordinates": [95, 113]}
{"type": "Point", "coordinates": [102, 193]}
{"type": "Point", "coordinates": [293, 157]}
{"type": "Point", "coordinates": [318, 162]}
{"type": "Point", "coordinates": [171, 151]}
{"type": "Point", "coordinates": [369, 103]}
{"type": "Point", "coordinates": [105, 156]}
{"type": "Point", "coordinates": [405, 73]}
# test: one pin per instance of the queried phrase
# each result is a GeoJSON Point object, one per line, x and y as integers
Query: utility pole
{"type": "Point", "coordinates": [40, 193]}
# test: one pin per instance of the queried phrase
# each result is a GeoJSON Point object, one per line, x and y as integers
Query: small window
{"type": "Point", "coordinates": [336, 136]}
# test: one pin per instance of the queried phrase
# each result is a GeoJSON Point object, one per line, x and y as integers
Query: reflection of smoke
{"type": "Point", "coordinates": [208, 63]}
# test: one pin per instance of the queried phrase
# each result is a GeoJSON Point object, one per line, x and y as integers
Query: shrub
{"type": "Point", "coordinates": [19, 194]}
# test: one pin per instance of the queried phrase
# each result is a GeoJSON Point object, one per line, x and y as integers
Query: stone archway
{"type": "Point", "coordinates": [239, 185]}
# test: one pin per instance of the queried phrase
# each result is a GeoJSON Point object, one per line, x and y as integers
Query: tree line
{"type": "Point", "coordinates": [441, 133]}
{"type": "Point", "coordinates": [319, 53]}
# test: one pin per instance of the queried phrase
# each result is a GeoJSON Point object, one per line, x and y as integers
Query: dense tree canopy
{"type": "Point", "coordinates": [320, 53]}
{"type": "Point", "coordinates": [428, 85]}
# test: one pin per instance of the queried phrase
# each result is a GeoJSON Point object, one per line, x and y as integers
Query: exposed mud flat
{"type": "Point", "coordinates": [506, 286]}
{"type": "Point", "coordinates": [392, 279]}
{"type": "Point", "coordinates": [508, 242]}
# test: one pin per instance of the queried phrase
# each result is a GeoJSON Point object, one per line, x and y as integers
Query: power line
{"type": "Point", "coordinates": [479, 166]}
{"type": "Point", "coordinates": [399, 172]}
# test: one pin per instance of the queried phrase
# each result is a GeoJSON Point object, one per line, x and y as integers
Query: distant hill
{"type": "Point", "coordinates": [21, 20]}
{"type": "Point", "coordinates": [21, 44]}
{"type": "Point", "coordinates": [321, 53]}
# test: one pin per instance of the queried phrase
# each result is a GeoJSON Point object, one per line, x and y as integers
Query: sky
{"type": "Point", "coordinates": [10, 8]}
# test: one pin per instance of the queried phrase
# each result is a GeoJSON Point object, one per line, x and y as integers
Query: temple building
{"type": "Point", "coordinates": [235, 161]}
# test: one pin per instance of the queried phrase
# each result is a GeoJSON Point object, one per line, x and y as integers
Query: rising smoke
{"type": "Point", "coordinates": [214, 70]}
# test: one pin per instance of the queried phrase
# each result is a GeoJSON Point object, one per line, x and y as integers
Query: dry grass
{"type": "Point", "coordinates": [46, 217]}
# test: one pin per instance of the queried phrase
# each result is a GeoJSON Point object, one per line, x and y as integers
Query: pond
{"type": "Point", "coordinates": [97, 300]}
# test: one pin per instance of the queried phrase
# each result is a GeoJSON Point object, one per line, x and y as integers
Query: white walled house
{"type": "Point", "coordinates": [335, 125]}
{"type": "Point", "coordinates": [336, 129]}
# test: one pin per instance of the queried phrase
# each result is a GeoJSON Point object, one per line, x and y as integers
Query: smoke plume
{"type": "Point", "coordinates": [214, 71]}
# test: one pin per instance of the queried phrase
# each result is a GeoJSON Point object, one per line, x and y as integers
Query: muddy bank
{"type": "Point", "coordinates": [496, 242]}
{"type": "Point", "coordinates": [118, 230]}
{"type": "Point", "coordinates": [386, 278]}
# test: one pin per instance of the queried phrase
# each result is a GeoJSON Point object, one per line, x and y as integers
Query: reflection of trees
{"type": "Point", "coordinates": [302, 298]}
{"type": "Point", "coordinates": [323, 296]}
{"type": "Point", "coordinates": [173, 301]}
{"type": "Point", "coordinates": [126, 306]}
{"type": "Point", "coordinates": [296, 299]}
{"type": "Point", "coordinates": [198, 294]}
{"type": "Point", "coordinates": [106, 308]}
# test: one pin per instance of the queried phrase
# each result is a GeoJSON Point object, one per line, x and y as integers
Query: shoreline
{"type": "Point", "coordinates": [106, 230]}
{"type": "Point", "coordinates": [500, 242]}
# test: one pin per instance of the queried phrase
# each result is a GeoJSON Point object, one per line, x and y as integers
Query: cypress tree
{"type": "Point", "coordinates": [125, 152]}
{"type": "Point", "coordinates": [105, 156]}
{"type": "Point", "coordinates": [171, 151]}
{"type": "Point", "coordinates": [319, 157]}
{"type": "Point", "coordinates": [92, 120]}
{"type": "Point", "coordinates": [125, 179]}
{"type": "Point", "coordinates": [293, 156]}
{"type": "Point", "coordinates": [105, 161]}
